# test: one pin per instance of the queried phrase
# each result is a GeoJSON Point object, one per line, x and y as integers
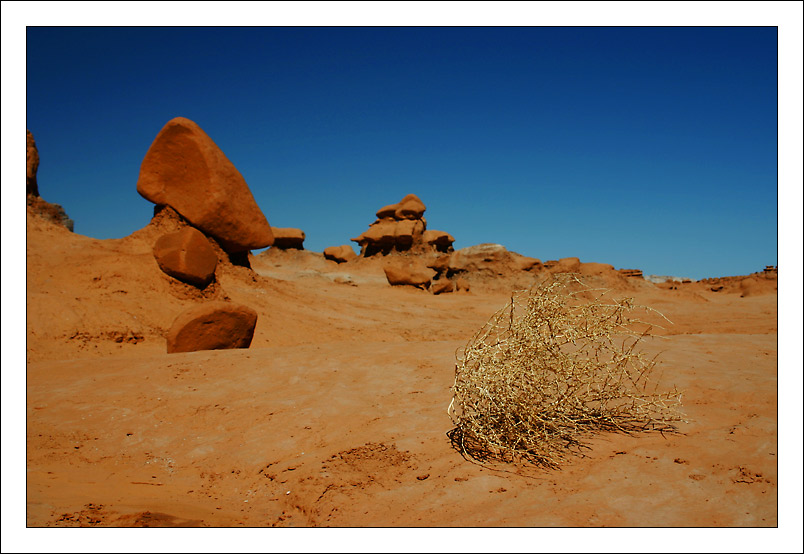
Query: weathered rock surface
{"type": "Point", "coordinates": [185, 169]}
{"type": "Point", "coordinates": [212, 326]}
{"type": "Point", "coordinates": [288, 237]}
{"type": "Point", "coordinates": [441, 241]}
{"type": "Point", "coordinates": [412, 272]}
{"type": "Point", "coordinates": [340, 254]}
{"type": "Point", "coordinates": [410, 207]}
{"type": "Point", "coordinates": [187, 256]}
{"type": "Point", "coordinates": [32, 165]}
{"type": "Point", "coordinates": [441, 286]}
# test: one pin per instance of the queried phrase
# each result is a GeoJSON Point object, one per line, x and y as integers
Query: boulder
{"type": "Point", "coordinates": [439, 264]}
{"type": "Point", "coordinates": [441, 241]}
{"type": "Point", "coordinates": [441, 286]}
{"type": "Point", "coordinates": [185, 169]}
{"type": "Point", "coordinates": [487, 256]}
{"type": "Point", "coordinates": [462, 284]}
{"type": "Point", "coordinates": [567, 265]}
{"type": "Point", "coordinates": [409, 272]}
{"type": "Point", "coordinates": [32, 165]}
{"type": "Point", "coordinates": [187, 256]}
{"type": "Point", "coordinates": [387, 211]}
{"type": "Point", "coordinates": [288, 237]}
{"type": "Point", "coordinates": [340, 254]}
{"type": "Point", "coordinates": [410, 207]}
{"type": "Point", "coordinates": [212, 326]}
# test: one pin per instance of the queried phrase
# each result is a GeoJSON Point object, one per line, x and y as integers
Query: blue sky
{"type": "Point", "coordinates": [643, 147]}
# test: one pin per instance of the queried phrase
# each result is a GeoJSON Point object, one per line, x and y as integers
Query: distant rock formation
{"type": "Point", "coordinates": [212, 326]}
{"type": "Point", "coordinates": [401, 227]}
{"type": "Point", "coordinates": [187, 256]}
{"type": "Point", "coordinates": [287, 237]}
{"type": "Point", "coordinates": [51, 212]}
{"type": "Point", "coordinates": [636, 273]}
{"type": "Point", "coordinates": [32, 159]}
{"type": "Point", "coordinates": [411, 271]}
{"type": "Point", "coordinates": [185, 169]}
{"type": "Point", "coordinates": [340, 254]}
{"type": "Point", "coordinates": [490, 259]}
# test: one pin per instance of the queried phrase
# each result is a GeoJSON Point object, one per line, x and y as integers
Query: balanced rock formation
{"type": "Point", "coordinates": [212, 326]}
{"type": "Point", "coordinates": [187, 256]}
{"type": "Point", "coordinates": [340, 254]}
{"type": "Point", "coordinates": [185, 169]}
{"type": "Point", "coordinates": [412, 272]}
{"type": "Point", "coordinates": [402, 227]}
{"type": "Point", "coordinates": [32, 165]}
{"type": "Point", "coordinates": [288, 237]}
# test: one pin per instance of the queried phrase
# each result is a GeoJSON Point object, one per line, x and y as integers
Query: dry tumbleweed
{"type": "Point", "coordinates": [556, 364]}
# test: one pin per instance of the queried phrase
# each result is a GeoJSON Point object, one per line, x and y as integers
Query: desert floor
{"type": "Point", "coordinates": [337, 413]}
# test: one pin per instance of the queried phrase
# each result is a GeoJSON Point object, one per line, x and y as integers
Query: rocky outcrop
{"type": "Point", "coordinates": [212, 326]}
{"type": "Point", "coordinates": [440, 241]}
{"type": "Point", "coordinates": [490, 259]}
{"type": "Point", "coordinates": [340, 254]}
{"type": "Point", "coordinates": [412, 272]}
{"type": "Point", "coordinates": [185, 169]}
{"type": "Point", "coordinates": [635, 273]}
{"type": "Point", "coordinates": [187, 256]}
{"type": "Point", "coordinates": [36, 204]}
{"type": "Point", "coordinates": [32, 165]}
{"type": "Point", "coordinates": [287, 237]}
{"type": "Point", "coordinates": [401, 227]}
{"type": "Point", "coordinates": [441, 286]}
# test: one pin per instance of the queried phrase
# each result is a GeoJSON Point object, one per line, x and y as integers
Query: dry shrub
{"type": "Point", "coordinates": [557, 364]}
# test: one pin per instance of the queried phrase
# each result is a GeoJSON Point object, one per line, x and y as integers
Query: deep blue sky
{"type": "Point", "coordinates": [651, 148]}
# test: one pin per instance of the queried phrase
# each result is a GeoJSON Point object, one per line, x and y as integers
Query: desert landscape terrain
{"type": "Point", "coordinates": [336, 412]}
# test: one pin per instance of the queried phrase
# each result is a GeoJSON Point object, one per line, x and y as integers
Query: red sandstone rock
{"type": "Point", "coordinates": [409, 272]}
{"type": "Point", "coordinates": [212, 326]}
{"type": "Point", "coordinates": [185, 169]}
{"type": "Point", "coordinates": [32, 165]}
{"type": "Point", "coordinates": [462, 284]}
{"type": "Point", "coordinates": [288, 237]}
{"type": "Point", "coordinates": [410, 207]}
{"type": "Point", "coordinates": [340, 254]}
{"type": "Point", "coordinates": [187, 256]}
{"type": "Point", "coordinates": [440, 240]}
{"type": "Point", "coordinates": [387, 211]}
{"type": "Point", "coordinates": [441, 286]}
{"type": "Point", "coordinates": [439, 264]}
{"type": "Point", "coordinates": [526, 263]}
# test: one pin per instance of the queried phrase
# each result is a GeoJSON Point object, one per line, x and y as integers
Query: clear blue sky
{"type": "Point", "coordinates": [643, 147]}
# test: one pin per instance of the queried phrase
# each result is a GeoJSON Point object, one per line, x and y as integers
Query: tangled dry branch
{"type": "Point", "coordinates": [555, 365]}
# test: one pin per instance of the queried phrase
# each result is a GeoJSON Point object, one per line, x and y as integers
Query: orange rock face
{"type": "Point", "coordinates": [32, 165]}
{"type": "Point", "coordinates": [187, 256]}
{"type": "Point", "coordinates": [409, 272]}
{"type": "Point", "coordinates": [441, 286]}
{"type": "Point", "coordinates": [212, 326]}
{"type": "Point", "coordinates": [340, 254]}
{"type": "Point", "coordinates": [288, 237]}
{"type": "Point", "coordinates": [185, 169]}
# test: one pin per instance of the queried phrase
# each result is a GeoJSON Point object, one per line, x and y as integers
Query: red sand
{"type": "Point", "coordinates": [337, 414]}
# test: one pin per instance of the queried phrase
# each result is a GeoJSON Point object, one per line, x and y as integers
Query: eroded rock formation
{"type": "Point", "coordinates": [185, 169]}
{"type": "Point", "coordinates": [212, 326]}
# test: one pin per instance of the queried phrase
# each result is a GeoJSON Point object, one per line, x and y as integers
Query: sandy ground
{"type": "Point", "coordinates": [337, 414]}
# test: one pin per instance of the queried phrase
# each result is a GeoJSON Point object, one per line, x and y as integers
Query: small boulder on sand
{"type": "Point", "coordinates": [212, 326]}
{"type": "Point", "coordinates": [287, 237]}
{"type": "Point", "coordinates": [187, 256]}
{"type": "Point", "coordinates": [185, 169]}
{"type": "Point", "coordinates": [411, 272]}
{"type": "Point", "coordinates": [340, 254]}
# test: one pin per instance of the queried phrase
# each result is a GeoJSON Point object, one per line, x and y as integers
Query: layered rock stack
{"type": "Point", "coordinates": [51, 212]}
{"type": "Point", "coordinates": [401, 227]}
{"type": "Point", "coordinates": [636, 273]}
{"type": "Point", "coordinates": [288, 238]}
{"type": "Point", "coordinates": [185, 172]}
